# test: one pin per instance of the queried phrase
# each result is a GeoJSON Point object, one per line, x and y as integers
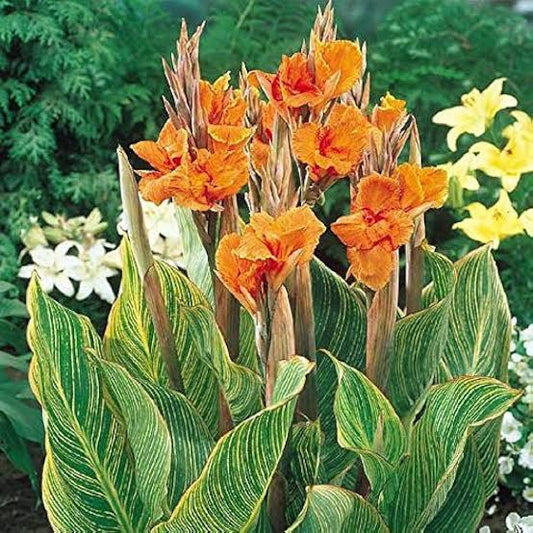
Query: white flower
{"type": "Point", "coordinates": [484, 529]}
{"type": "Point", "coordinates": [511, 428]}
{"type": "Point", "coordinates": [525, 458]}
{"type": "Point", "coordinates": [52, 267]}
{"type": "Point", "coordinates": [92, 273]}
{"type": "Point", "coordinates": [527, 494]}
{"type": "Point", "coordinates": [162, 230]}
{"type": "Point", "coordinates": [517, 524]}
{"type": "Point", "coordinates": [505, 465]}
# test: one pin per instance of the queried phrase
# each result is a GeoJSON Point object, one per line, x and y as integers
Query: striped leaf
{"type": "Point", "coordinates": [89, 481]}
{"type": "Point", "coordinates": [417, 490]}
{"type": "Point", "coordinates": [419, 339]}
{"type": "Point", "coordinates": [195, 256]}
{"type": "Point", "coordinates": [340, 328]}
{"type": "Point", "coordinates": [203, 357]}
{"type": "Point", "coordinates": [304, 462]}
{"type": "Point", "coordinates": [480, 323]}
{"type": "Point", "coordinates": [457, 509]}
{"type": "Point", "coordinates": [479, 339]}
{"type": "Point", "coordinates": [330, 508]}
{"type": "Point", "coordinates": [368, 425]}
{"type": "Point", "coordinates": [229, 493]}
{"type": "Point", "coordinates": [147, 435]}
{"type": "Point", "coordinates": [190, 438]}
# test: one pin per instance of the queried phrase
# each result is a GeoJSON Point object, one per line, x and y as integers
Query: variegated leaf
{"type": "Point", "coordinates": [230, 490]}
{"type": "Point", "coordinates": [417, 490]}
{"type": "Point", "coordinates": [368, 425]}
{"type": "Point", "coordinates": [332, 509]}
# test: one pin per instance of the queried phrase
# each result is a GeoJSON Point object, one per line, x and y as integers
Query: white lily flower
{"type": "Point", "coordinates": [527, 494]}
{"type": "Point", "coordinates": [484, 529]}
{"type": "Point", "coordinates": [526, 336]}
{"type": "Point", "coordinates": [162, 230]}
{"type": "Point", "coordinates": [92, 273]}
{"type": "Point", "coordinates": [52, 267]}
{"type": "Point", "coordinates": [511, 428]}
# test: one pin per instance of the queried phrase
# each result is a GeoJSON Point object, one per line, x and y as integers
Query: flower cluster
{"type": "Point", "coordinates": [508, 162]}
{"type": "Point", "coordinates": [199, 176]}
{"type": "Point", "coordinates": [266, 252]}
{"type": "Point", "coordinates": [67, 250]}
{"type": "Point", "coordinates": [382, 218]}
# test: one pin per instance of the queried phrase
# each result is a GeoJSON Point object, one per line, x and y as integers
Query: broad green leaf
{"type": "Point", "coordinates": [25, 418]}
{"type": "Point", "coordinates": [147, 435]}
{"type": "Point", "coordinates": [417, 490]}
{"type": "Point", "coordinates": [480, 323]}
{"type": "Point", "coordinates": [330, 508]}
{"type": "Point", "coordinates": [479, 339]}
{"type": "Point", "coordinates": [340, 328]}
{"type": "Point", "coordinates": [304, 461]}
{"type": "Point", "coordinates": [368, 425]}
{"type": "Point", "coordinates": [191, 439]}
{"type": "Point", "coordinates": [196, 261]}
{"type": "Point", "coordinates": [85, 442]}
{"type": "Point", "coordinates": [458, 511]}
{"type": "Point", "coordinates": [18, 362]}
{"type": "Point", "coordinates": [228, 494]}
{"type": "Point", "coordinates": [419, 340]}
{"type": "Point", "coordinates": [203, 357]}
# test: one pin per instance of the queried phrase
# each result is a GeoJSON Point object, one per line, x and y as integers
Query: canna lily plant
{"type": "Point", "coordinates": [260, 391]}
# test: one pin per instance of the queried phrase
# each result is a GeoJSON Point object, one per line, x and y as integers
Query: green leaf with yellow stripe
{"type": "Point", "coordinates": [203, 357]}
{"type": "Point", "coordinates": [340, 328]}
{"type": "Point", "coordinates": [330, 508]}
{"type": "Point", "coordinates": [89, 477]}
{"type": "Point", "coordinates": [419, 341]}
{"type": "Point", "coordinates": [368, 425]}
{"type": "Point", "coordinates": [417, 490]}
{"type": "Point", "coordinates": [229, 493]}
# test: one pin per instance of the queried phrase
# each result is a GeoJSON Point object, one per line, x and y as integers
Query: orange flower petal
{"type": "Point", "coordinates": [241, 276]}
{"type": "Point", "coordinates": [337, 58]}
{"type": "Point", "coordinates": [421, 186]}
{"type": "Point", "coordinates": [389, 111]}
{"type": "Point", "coordinates": [377, 193]}
{"type": "Point", "coordinates": [372, 267]}
{"type": "Point", "coordinates": [228, 136]}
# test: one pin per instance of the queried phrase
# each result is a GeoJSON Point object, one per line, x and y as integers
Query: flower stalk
{"type": "Point", "coordinates": [146, 266]}
{"type": "Point", "coordinates": [414, 256]}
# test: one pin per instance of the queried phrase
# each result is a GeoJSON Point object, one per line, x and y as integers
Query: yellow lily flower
{"type": "Point", "coordinates": [464, 171]}
{"type": "Point", "coordinates": [515, 159]}
{"type": "Point", "coordinates": [476, 113]}
{"type": "Point", "coordinates": [491, 224]}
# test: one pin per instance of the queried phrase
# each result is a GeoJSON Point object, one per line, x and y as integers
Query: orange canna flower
{"type": "Point", "coordinates": [242, 277]}
{"type": "Point", "coordinates": [389, 111]}
{"type": "Point", "coordinates": [336, 148]}
{"type": "Point", "coordinates": [300, 80]}
{"type": "Point", "coordinates": [224, 109]}
{"type": "Point", "coordinates": [221, 103]}
{"type": "Point", "coordinates": [338, 65]}
{"type": "Point", "coordinates": [201, 182]}
{"type": "Point", "coordinates": [421, 188]}
{"type": "Point", "coordinates": [377, 227]}
{"type": "Point", "coordinates": [165, 154]}
{"type": "Point", "coordinates": [267, 251]}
